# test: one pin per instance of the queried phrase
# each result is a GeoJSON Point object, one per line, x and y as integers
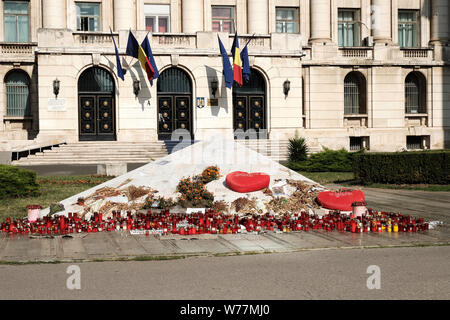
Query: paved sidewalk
{"type": "Point", "coordinates": [120, 245]}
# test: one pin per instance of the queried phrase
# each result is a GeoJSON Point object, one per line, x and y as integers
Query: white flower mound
{"type": "Point", "coordinates": [165, 173]}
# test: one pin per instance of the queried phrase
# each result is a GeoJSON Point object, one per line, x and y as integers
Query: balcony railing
{"type": "Point", "coordinates": [173, 40]}
{"type": "Point", "coordinates": [416, 53]}
{"type": "Point", "coordinates": [356, 53]}
{"type": "Point", "coordinates": [8, 48]}
{"type": "Point", "coordinates": [94, 38]}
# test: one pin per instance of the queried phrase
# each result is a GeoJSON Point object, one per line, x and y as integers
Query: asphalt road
{"type": "Point", "coordinates": [405, 273]}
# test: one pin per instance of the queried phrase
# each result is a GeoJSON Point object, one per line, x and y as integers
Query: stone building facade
{"type": "Point", "coordinates": [361, 73]}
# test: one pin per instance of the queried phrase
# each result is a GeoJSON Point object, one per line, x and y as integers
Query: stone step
{"type": "Point", "coordinates": [103, 151]}
{"type": "Point", "coordinates": [55, 157]}
{"type": "Point", "coordinates": [75, 162]}
{"type": "Point", "coordinates": [106, 145]}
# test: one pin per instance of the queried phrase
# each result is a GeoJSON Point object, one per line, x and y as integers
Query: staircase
{"type": "Point", "coordinates": [276, 150]}
{"type": "Point", "coordinates": [97, 152]}
{"type": "Point", "coordinates": [100, 152]}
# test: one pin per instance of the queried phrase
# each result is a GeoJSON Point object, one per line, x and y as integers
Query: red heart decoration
{"type": "Point", "coordinates": [340, 200]}
{"type": "Point", "coordinates": [240, 181]}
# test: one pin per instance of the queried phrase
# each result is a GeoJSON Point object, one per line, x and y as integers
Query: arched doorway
{"type": "Point", "coordinates": [249, 106]}
{"type": "Point", "coordinates": [96, 105]}
{"type": "Point", "coordinates": [174, 103]}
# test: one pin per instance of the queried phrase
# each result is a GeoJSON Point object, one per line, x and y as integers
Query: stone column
{"type": "Point", "coordinates": [320, 20]}
{"type": "Point", "coordinates": [123, 15]}
{"type": "Point", "coordinates": [440, 23]}
{"type": "Point", "coordinates": [258, 17]}
{"type": "Point", "coordinates": [381, 21]}
{"type": "Point", "coordinates": [192, 15]}
{"type": "Point", "coordinates": [54, 14]}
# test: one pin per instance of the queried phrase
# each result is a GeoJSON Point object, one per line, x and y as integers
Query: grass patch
{"type": "Point", "coordinates": [52, 189]}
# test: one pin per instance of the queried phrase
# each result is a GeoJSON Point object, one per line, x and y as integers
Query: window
{"type": "Point", "coordinates": [354, 94]}
{"type": "Point", "coordinates": [358, 143]}
{"type": "Point", "coordinates": [157, 17]}
{"type": "Point", "coordinates": [88, 16]}
{"type": "Point", "coordinates": [287, 20]}
{"type": "Point", "coordinates": [417, 142]}
{"type": "Point", "coordinates": [223, 19]}
{"type": "Point", "coordinates": [17, 94]}
{"type": "Point", "coordinates": [16, 21]}
{"type": "Point", "coordinates": [348, 28]}
{"type": "Point", "coordinates": [415, 93]}
{"type": "Point", "coordinates": [408, 28]}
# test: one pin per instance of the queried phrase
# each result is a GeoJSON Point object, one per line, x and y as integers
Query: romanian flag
{"type": "Point", "coordinates": [135, 50]}
{"type": "Point", "coordinates": [237, 62]}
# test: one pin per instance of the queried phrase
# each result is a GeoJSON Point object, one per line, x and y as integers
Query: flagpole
{"type": "Point", "coordinates": [129, 64]}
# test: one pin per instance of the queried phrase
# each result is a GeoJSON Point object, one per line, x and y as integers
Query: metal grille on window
{"type": "Point", "coordinates": [351, 95]}
{"type": "Point", "coordinates": [17, 95]}
{"type": "Point", "coordinates": [174, 80]}
{"type": "Point", "coordinates": [356, 143]}
{"type": "Point", "coordinates": [414, 100]}
{"type": "Point", "coordinates": [414, 142]}
{"type": "Point", "coordinates": [96, 79]}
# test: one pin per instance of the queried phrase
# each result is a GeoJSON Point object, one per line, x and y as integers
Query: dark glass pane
{"type": "Point", "coordinates": [256, 85]}
{"type": "Point", "coordinates": [96, 80]}
{"type": "Point", "coordinates": [174, 80]}
{"type": "Point", "coordinates": [11, 7]}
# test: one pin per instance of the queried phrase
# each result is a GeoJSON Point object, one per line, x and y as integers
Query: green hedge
{"type": "Point", "coordinates": [326, 161]}
{"type": "Point", "coordinates": [430, 167]}
{"type": "Point", "coordinates": [16, 182]}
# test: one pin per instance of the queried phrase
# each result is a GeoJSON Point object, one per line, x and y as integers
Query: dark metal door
{"type": "Point", "coordinates": [249, 108]}
{"type": "Point", "coordinates": [249, 113]}
{"type": "Point", "coordinates": [96, 117]}
{"type": "Point", "coordinates": [174, 112]}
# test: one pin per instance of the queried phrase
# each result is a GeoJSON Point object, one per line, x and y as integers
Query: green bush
{"type": "Point", "coordinates": [326, 161]}
{"type": "Point", "coordinates": [16, 182]}
{"type": "Point", "coordinates": [430, 167]}
{"type": "Point", "coordinates": [298, 149]}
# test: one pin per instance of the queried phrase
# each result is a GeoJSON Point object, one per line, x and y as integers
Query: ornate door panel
{"type": "Point", "coordinates": [87, 117]}
{"type": "Point", "coordinates": [256, 114]}
{"type": "Point", "coordinates": [165, 116]}
{"type": "Point", "coordinates": [96, 117]}
{"type": "Point", "coordinates": [96, 105]}
{"type": "Point", "coordinates": [249, 107]}
{"type": "Point", "coordinates": [174, 112]}
{"type": "Point", "coordinates": [249, 113]}
{"type": "Point", "coordinates": [105, 117]}
{"type": "Point", "coordinates": [240, 113]}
